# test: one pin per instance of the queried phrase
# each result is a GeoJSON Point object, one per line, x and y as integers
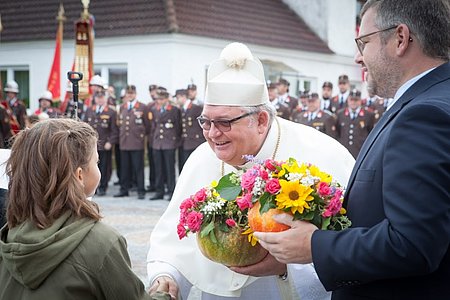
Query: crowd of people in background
{"type": "Point", "coordinates": [167, 131]}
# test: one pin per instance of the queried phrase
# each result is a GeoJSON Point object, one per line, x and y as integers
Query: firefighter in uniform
{"type": "Point", "coordinates": [327, 91]}
{"type": "Point", "coordinates": [192, 133]}
{"type": "Point", "coordinates": [134, 125]}
{"type": "Point", "coordinates": [192, 94]}
{"type": "Point", "coordinates": [283, 92]}
{"type": "Point", "coordinates": [166, 139]}
{"type": "Point", "coordinates": [153, 91]}
{"type": "Point", "coordinates": [302, 107]}
{"type": "Point", "coordinates": [103, 118]}
{"type": "Point", "coordinates": [316, 118]}
{"type": "Point", "coordinates": [283, 110]}
{"type": "Point", "coordinates": [353, 124]}
{"type": "Point", "coordinates": [340, 100]}
{"type": "Point", "coordinates": [15, 108]}
{"type": "Point", "coordinates": [45, 106]}
{"type": "Point", "coordinates": [374, 104]}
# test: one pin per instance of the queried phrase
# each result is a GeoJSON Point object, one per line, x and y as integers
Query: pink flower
{"type": "Point", "coordinates": [273, 186]}
{"type": "Point", "coordinates": [230, 222]}
{"type": "Point", "coordinates": [334, 206]}
{"type": "Point", "coordinates": [245, 201]}
{"type": "Point", "coordinates": [181, 231]}
{"type": "Point", "coordinates": [200, 196]}
{"type": "Point", "coordinates": [264, 175]}
{"type": "Point", "coordinates": [323, 189]}
{"type": "Point", "coordinates": [194, 221]}
{"type": "Point", "coordinates": [270, 165]}
{"type": "Point", "coordinates": [186, 204]}
{"type": "Point", "coordinates": [248, 179]}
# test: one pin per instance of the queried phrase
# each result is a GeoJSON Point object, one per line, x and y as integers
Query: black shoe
{"type": "Point", "coordinates": [101, 192]}
{"type": "Point", "coordinates": [133, 189]}
{"type": "Point", "coordinates": [121, 194]}
{"type": "Point", "coordinates": [149, 189]}
{"type": "Point", "coordinates": [157, 197]}
{"type": "Point", "coordinates": [141, 196]}
{"type": "Point", "coordinates": [117, 182]}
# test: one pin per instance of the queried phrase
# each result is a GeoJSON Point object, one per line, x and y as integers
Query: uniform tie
{"type": "Point", "coordinates": [130, 106]}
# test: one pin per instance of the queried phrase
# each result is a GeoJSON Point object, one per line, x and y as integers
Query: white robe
{"type": "Point", "coordinates": [183, 260]}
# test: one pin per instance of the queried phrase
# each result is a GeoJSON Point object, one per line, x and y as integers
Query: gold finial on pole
{"type": "Point", "coordinates": [61, 17]}
{"type": "Point", "coordinates": [1, 25]}
{"type": "Point", "coordinates": [85, 13]}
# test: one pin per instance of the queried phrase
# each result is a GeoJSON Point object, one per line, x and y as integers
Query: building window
{"type": "Point", "coordinates": [113, 74]}
{"type": "Point", "coordinates": [22, 76]}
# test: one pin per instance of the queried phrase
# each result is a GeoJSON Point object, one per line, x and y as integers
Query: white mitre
{"type": "Point", "coordinates": [236, 79]}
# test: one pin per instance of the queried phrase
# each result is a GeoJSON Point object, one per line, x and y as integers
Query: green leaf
{"type": "Point", "coordinates": [208, 228]}
{"type": "Point", "coordinates": [266, 203]}
{"type": "Point", "coordinates": [224, 227]}
{"type": "Point", "coordinates": [325, 223]}
{"type": "Point", "coordinates": [212, 237]}
{"type": "Point", "coordinates": [227, 189]}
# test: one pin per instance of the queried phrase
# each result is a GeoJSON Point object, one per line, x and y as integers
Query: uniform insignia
{"type": "Point", "coordinates": [104, 117]}
{"type": "Point", "coordinates": [138, 114]}
{"type": "Point", "coordinates": [150, 115]}
{"type": "Point", "coordinates": [361, 123]}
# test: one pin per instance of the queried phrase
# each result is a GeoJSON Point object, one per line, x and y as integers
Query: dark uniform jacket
{"type": "Point", "coordinates": [105, 123]}
{"type": "Point", "coordinates": [376, 105]}
{"type": "Point", "coordinates": [335, 104]}
{"type": "Point", "coordinates": [134, 125]}
{"type": "Point", "coordinates": [167, 126]}
{"type": "Point", "coordinates": [70, 112]}
{"type": "Point", "coordinates": [192, 133]}
{"type": "Point", "coordinates": [290, 101]}
{"type": "Point", "coordinates": [151, 107]}
{"type": "Point", "coordinates": [283, 110]}
{"type": "Point", "coordinates": [17, 114]}
{"type": "Point", "coordinates": [353, 132]}
{"type": "Point", "coordinates": [324, 122]}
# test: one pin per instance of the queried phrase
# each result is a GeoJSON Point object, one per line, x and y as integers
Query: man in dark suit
{"type": "Point", "coordinates": [398, 196]}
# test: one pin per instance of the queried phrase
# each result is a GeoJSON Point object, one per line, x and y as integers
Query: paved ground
{"type": "Point", "coordinates": [135, 220]}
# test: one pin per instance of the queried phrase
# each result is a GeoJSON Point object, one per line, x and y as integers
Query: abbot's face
{"type": "Point", "coordinates": [91, 174]}
{"type": "Point", "coordinates": [245, 137]}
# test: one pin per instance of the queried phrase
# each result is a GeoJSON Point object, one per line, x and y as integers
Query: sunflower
{"type": "Point", "coordinates": [315, 171]}
{"type": "Point", "coordinates": [294, 195]}
{"type": "Point", "coordinates": [291, 167]}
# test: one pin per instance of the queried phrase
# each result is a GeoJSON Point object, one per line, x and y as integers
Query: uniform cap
{"type": "Point", "coordinates": [304, 94]}
{"type": "Point", "coordinates": [327, 84]}
{"type": "Point", "coordinates": [181, 92]}
{"type": "Point", "coordinates": [12, 87]}
{"type": "Point", "coordinates": [192, 87]}
{"type": "Point", "coordinates": [236, 79]}
{"type": "Point", "coordinates": [314, 96]}
{"type": "Point", "coordinates": [284, 82]}
{"type": "Point", "coordinates": [355, 94]}
{"type": "Point", "coordinates": [271, 85]}
{"type": "Point", "coordinates": [162, 94]}
{"type": "Point", "coordinates": [47, 95]}
{"type": "Point", "coordinates": [130, 88]}
{"type": "Point", "coordinates": [343, 79]}
{"type": "Point", "coordinates": [152, 87]}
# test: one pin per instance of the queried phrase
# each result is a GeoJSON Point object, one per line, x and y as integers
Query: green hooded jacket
{"type": "Point", "coordinates": [72, 259]}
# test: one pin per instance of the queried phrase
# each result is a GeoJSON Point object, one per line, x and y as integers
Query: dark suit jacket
{"type": "Point", "coordinates": [398, 199]}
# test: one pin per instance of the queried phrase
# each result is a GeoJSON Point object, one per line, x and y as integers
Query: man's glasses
{"type": "Point", "coordinates": [222, 125]}
{"type": "Point", "coordinates": [361, 44]}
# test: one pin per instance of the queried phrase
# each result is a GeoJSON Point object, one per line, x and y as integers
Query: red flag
{"type": "Point", "coordinates": [54, 80]}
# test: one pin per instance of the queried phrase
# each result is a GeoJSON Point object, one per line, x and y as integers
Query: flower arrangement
{"type": "Point", "coordinates": [302, 190]}
{"type": "Point", "coordinates": [227, 212]}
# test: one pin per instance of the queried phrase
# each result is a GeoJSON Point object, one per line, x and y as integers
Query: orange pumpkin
{"type": "Point", "coordinates": [264, 222]}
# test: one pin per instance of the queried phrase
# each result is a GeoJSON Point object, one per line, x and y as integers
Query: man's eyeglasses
{"type": "Point", "coordinates": [222, 125]}
{"type": "Point", "coordinates": [361, 44]}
